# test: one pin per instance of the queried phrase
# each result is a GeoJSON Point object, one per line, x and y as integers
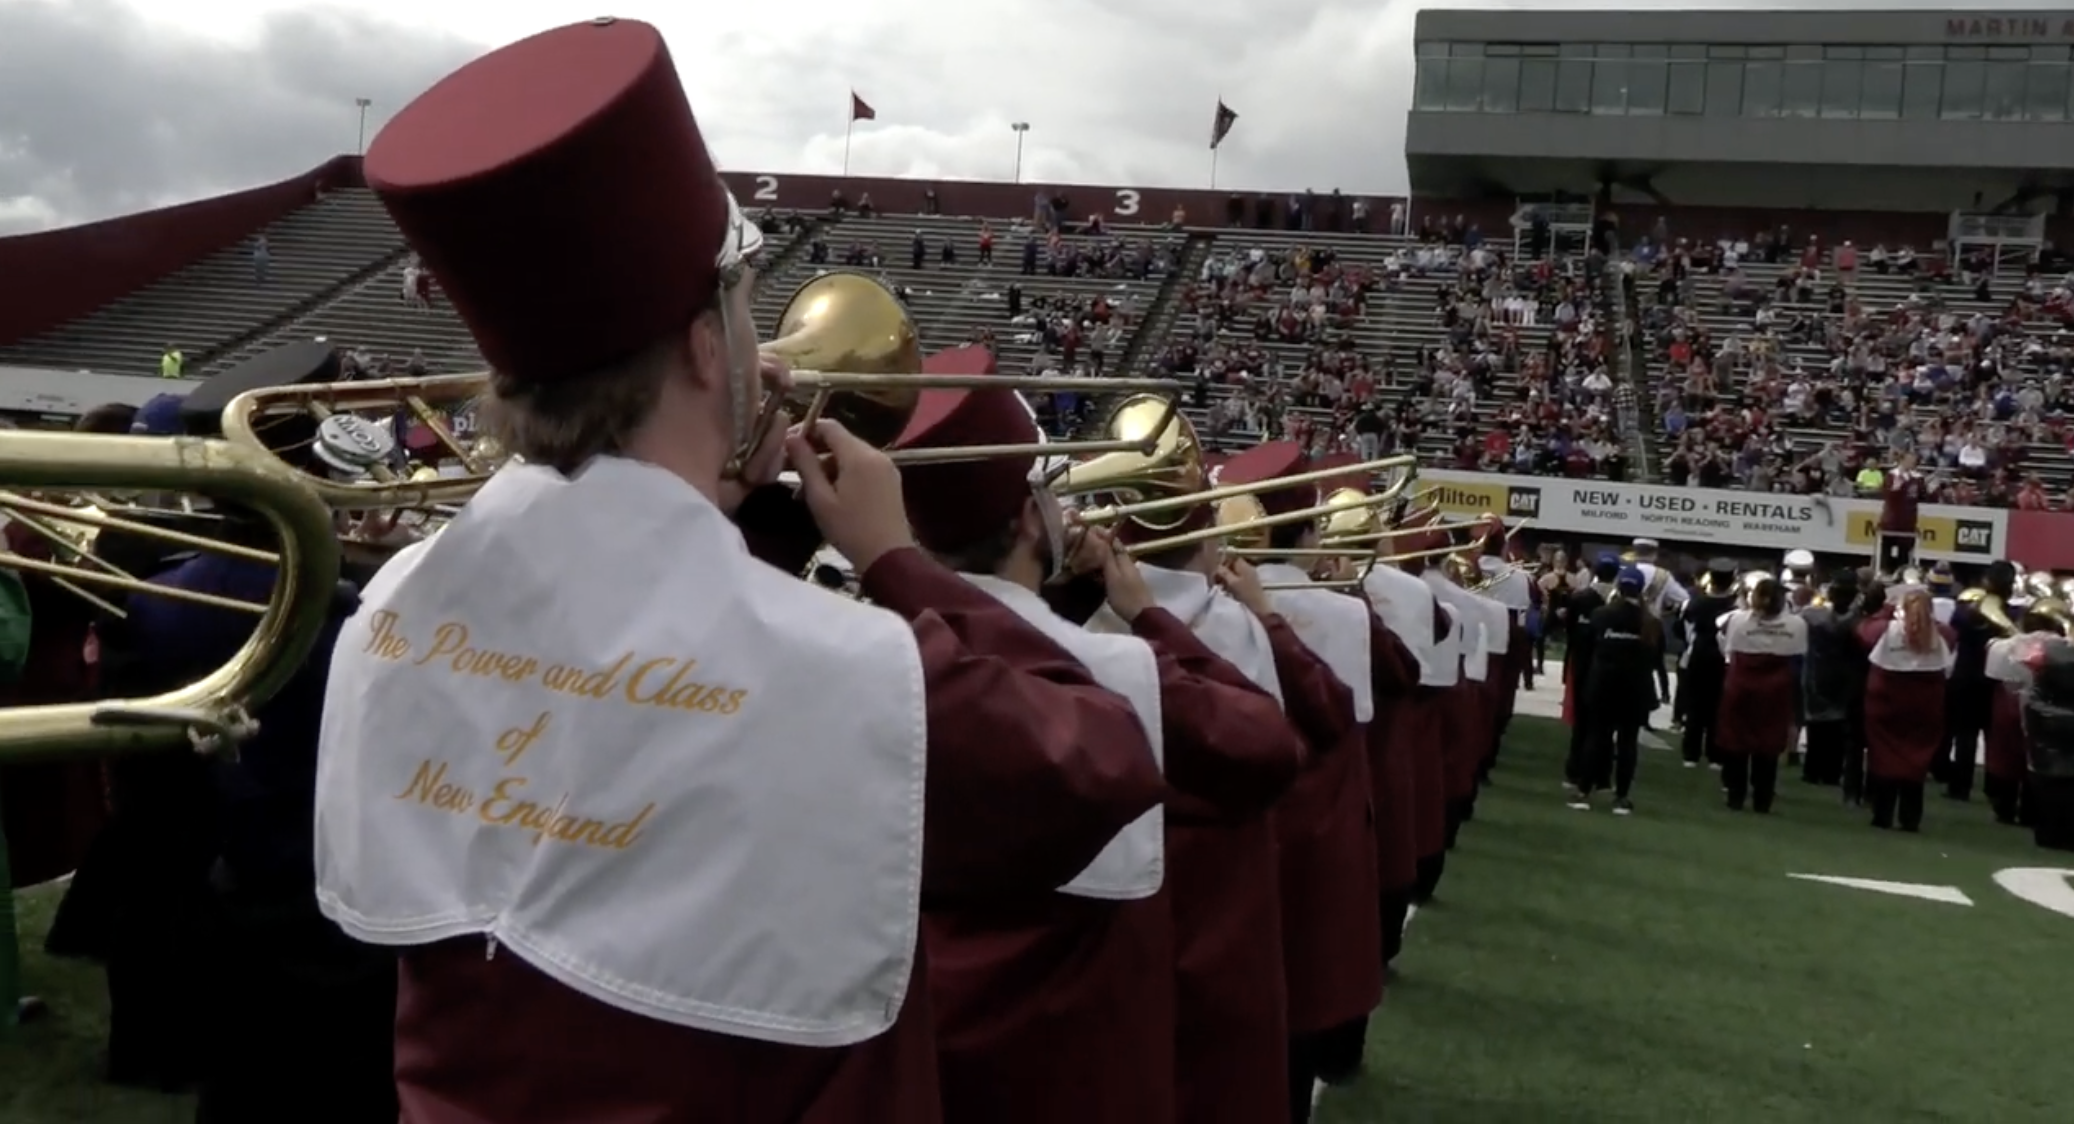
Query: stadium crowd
{"type": "Point", "coordinates": [1815, 369]}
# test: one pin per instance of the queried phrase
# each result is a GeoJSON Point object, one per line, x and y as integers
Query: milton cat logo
{"type": "Point", "coordinates": [1523, 503]}
{"type": "Point", "coordinates": [1973, 536]}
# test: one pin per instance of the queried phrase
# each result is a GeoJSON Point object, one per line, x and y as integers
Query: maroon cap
{"type": "Point", "coordinates": [1272, 461]}
{"type": "Point", "coordinates": [954, 506]}
{"type": "Point", "coordinates": [561, 194]}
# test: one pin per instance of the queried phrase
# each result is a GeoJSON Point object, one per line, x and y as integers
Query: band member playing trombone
{"type": "Point", "coordinates": [1058, 1004]}
{"type": "Point", "coordinates": [1230, 1002]}
{"type": "Point", "coordinates": [1327, 827]}
{"type": "Point", "coordinates": [1431, 630]}
{"type": "Point", "coordinates": [585, 754]}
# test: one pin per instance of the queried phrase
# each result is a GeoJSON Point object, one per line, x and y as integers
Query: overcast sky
{"type": "Point", "coordinates": [109, 106]}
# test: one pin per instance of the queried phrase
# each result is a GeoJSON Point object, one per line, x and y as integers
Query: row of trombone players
{"type": "Point", "coordinates": [1313, 667]}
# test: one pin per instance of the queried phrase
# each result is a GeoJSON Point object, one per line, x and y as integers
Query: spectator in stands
{"type": "Point", "coordinates": [262, 259]}
{"type": "Point", "coordinates": [172, 363]}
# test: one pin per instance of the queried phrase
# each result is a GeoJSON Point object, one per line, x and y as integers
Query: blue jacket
{"type": "Point", "coordinates": [267, 797]}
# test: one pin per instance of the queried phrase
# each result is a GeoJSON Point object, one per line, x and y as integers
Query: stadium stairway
{"type": "Point", "coordinates": [212, 306]}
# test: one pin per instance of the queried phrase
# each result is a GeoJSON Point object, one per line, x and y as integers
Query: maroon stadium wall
{"type": "Point", "coordinates": [1154, 205]}
{"type": "Point", "coordinates": [49, 278]}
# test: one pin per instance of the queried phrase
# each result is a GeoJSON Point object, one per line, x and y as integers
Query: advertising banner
{"type": "Point", "coordinates": [1712, 516]}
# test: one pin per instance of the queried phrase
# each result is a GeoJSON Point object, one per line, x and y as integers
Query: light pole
{"type": "Point", "coordinates": [1020, 127]}
{"type": "Point", "coordinates": [361, 104]}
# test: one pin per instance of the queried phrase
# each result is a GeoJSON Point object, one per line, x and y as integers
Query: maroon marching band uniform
{"type": "Point", "coordinates": [1904, 710]}
{"type": "Point", "coordinates": [1051, 1006]}
{"type": "Point", "coordinates": [1230, 1002]}
{"type": "Point", "coordinates": [569, 222]}
{"type": "Point", "coordinates": [1417, 730]}
{"type": "Point", "coordinates": [1329, 825]}
{"type": "Point", "coordinates": [1757, 698]}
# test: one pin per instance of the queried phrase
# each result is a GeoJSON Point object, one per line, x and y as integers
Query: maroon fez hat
{"type": "Point", "coordinates": [1272, 461]}
{"type": "Point", "coordinates": [560, 192]}
{"type": "Point", "coordinates": [953, 506]}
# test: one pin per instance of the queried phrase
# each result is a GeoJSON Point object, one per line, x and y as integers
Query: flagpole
{"type": "Point", "coordinates": [1213, 166]}
{"type": "Point", "coordinates": [847, 132]}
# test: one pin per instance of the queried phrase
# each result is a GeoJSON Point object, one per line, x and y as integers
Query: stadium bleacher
{"type": "Point", "coordinates": [1793, 344]}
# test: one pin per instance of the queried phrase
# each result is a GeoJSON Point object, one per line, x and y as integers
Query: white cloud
{"type": "Point", "coordinates": [1115, 92]}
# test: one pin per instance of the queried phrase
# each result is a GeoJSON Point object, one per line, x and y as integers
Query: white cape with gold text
{"type": "Point", "coordinates": [584, 723]}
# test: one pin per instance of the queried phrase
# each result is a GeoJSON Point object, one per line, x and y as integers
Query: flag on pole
{"type": "Point", "coordinates": [1222, 125]}
{"type": "Point", "coordinates": [861, 110]}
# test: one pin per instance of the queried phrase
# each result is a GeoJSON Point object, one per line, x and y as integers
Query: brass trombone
{"type": "Point", "coordinates": [859, 362]}
{"type": "Point", "coordinates": [214, 707]}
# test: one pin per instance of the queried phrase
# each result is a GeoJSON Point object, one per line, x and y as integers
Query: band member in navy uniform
{"type": "Point", "coordinates": [1576, 703]}
{"type": "Point", "coordinates": [1969, 693]}
{"type": "Point", "coordinates": [1833, 686]}
{"type": "Point", "coordinates": [1700, 680]}
{"type": "Point", "coordinates": [297, 1019]}
{"type": "Point", "coordinates": [1615, 663]}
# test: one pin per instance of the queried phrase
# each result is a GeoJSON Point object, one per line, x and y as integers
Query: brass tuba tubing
{"type": "Point", "coordinates": [242, 415]}
{"type": "Point", "coordinates": [1407, 462]}
{"type": "Point", "coordinates": [305, 585]}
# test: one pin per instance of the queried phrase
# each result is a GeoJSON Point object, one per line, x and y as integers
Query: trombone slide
{"type": "Point", "coordinates": [305, 585]}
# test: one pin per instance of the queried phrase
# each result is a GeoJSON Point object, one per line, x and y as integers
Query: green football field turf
{"type": "Point", "coordinates": [1581, 968]}
{"type": "Point", "coordinates": [1663, 968]}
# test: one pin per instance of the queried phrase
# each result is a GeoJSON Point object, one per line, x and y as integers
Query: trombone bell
{"type": "Point", "coordinates": [849, 323]}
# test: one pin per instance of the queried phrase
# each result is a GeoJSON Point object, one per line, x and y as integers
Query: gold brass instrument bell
{"type": "Point", "coordinates": [857, 359]}
{"type": "Point", "coordinates": [60, 465]}
{"type": "Point", "coordinates": [1160, 491]}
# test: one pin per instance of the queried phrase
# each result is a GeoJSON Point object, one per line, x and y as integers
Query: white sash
{"type": "Point", "coordinates": [1407, 607]}
{"type": "Point", "coordinates": [1498, 633]}
{"type": "Point", "coordinates": [1514, 590]}
{"type": "Point", "coordinates": [1462, 638]}
{"type": "Point", "coordinates": [2006, 658]}
{"type": "Point", "coordinates": [1134, 864]}
{"type": "Point", "coordinates": [1331, 624]}
{"type": "Point", "coordinates": [1222, 624]}
{"type": "Point", "coordinates": [1892, 653]}
{"type": "Point", "coordinates": [584, 721]}
{"type": "Point", "coordinates": [1744, 632]}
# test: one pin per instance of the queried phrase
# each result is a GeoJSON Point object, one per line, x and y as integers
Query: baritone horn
{"type": "Point", "coordinates": [856, 358]}
{"type": "Point", "coordinates": [213, 708]}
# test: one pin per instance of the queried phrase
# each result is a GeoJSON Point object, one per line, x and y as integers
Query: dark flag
{"type": "Point", "coordinates": [1222, 125]}
{"type": "Point", "coordinates": [861, 110]}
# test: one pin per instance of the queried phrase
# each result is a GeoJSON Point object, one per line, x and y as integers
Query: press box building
{"type": "Point", "coordinates": [1916, 111]}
